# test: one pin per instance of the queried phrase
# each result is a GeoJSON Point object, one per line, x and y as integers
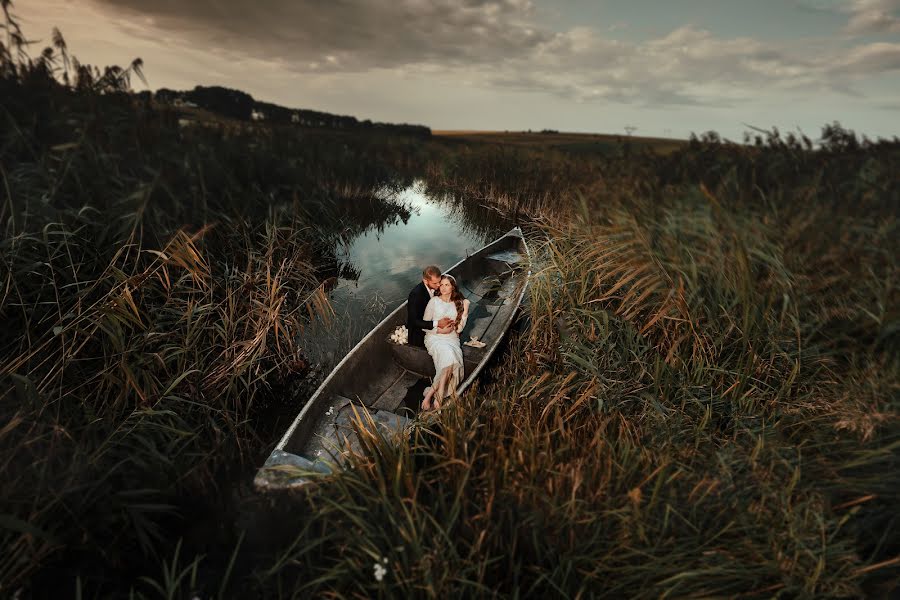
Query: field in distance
{"type": "Point", "coordinates": [574, 143]}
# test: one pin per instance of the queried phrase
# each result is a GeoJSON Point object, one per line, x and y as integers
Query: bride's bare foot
{"type": "Point", "coordinates": [428, 393]}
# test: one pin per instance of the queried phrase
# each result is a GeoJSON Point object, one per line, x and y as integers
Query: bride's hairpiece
{"type": "Point", "coordinates": [450, 277]}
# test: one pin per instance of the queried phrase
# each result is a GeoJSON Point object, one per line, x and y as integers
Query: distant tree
{"type": "Point", "coordinates": [713, 137]}
{"type": "Point", "coordinates": [166, 95]}
{"type": "Point", "coordinates": [836, 138]}
{"type": "Point", "coordinates": [274, 112]}
{"type": "Point", "coordinates": [223, 101]}
{"type": "Point", "coordinates": [629, 129]}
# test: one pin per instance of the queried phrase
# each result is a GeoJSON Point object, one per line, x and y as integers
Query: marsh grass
{"type": "Point", "coordinates": [701, 400]}
{"type": "Point", "coordinates": [155, 283]}
{"type": "Point", "coordinates": [703, 404]}
{"type": "Point", "coordinates": [671, 434]}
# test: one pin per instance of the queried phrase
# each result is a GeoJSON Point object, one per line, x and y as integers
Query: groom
{"type": "Point", "coordinates": [415, 308]}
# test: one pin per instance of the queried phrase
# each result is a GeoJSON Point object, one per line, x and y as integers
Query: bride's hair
{"type": "Point", "coordinates": [456, 297]}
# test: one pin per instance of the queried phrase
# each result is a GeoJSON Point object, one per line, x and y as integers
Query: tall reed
{"type": "Point", "coordinates": [701, 401]}
{"type": "Point", "coordinates": [155, 280]}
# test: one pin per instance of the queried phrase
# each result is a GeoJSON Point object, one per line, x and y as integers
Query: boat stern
{"type": "Point", "coordinates": [283, 470]}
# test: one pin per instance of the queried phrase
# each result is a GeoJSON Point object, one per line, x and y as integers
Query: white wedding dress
{"type": "Point", "coordinates": [444, 348]}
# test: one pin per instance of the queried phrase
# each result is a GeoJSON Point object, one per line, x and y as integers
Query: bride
{"type": "Point", "coordinates": [443, 343]}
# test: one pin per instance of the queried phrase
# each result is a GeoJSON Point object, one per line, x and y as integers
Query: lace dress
{"type": "Point", "coordinates": [444, 348]}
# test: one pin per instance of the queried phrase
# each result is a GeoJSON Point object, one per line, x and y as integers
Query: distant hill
{"type": "Point", "coordinates": [235, 104]}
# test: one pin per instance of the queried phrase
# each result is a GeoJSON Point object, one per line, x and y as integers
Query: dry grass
{"type": "Point", "coordinates": [559, 140]}
{"type": "Point", "coordinates": [702, 400]}
{"type": "Point", "coordinates": [672, 422]}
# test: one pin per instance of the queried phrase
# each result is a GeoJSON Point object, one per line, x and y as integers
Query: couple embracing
{"type": "Point", "coordinates": [435, 315]}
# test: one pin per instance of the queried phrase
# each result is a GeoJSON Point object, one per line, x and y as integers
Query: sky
{"type": "Point", "coordinates": [668, 68]}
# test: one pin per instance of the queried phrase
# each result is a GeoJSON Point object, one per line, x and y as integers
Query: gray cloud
{"type": "Point", "coordinates": [873, 16]}
{"type": "Point", "coordinates": [341, 35]}
{"type": "Point", "coordinates": [689, 66]}
{"type": "Point", "coordinates": [497, 44]}
{"type": "Point", "coordinates": [870, 59]}
{"type": "Point", "coordinates": [863, 16]}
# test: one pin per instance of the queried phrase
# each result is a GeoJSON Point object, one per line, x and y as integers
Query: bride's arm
{"type": "Point", "coordinates": [429, 315]}
{"type": "Point", "coordinates": [465, 316]}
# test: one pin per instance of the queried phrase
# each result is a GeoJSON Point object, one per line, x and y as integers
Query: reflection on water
{"type": "Point", "coordinates": [377, 262]}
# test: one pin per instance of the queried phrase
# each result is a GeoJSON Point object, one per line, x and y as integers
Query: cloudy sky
{"type": "Point", "coordinates": [667, 67]}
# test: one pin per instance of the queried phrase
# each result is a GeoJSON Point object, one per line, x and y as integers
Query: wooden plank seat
{"type": "Point", "coordinates": [507, 257]}
{"type": "Point", "coordinates": [419, 363]}
{"type": "Point", "coordinates": [413, 359]}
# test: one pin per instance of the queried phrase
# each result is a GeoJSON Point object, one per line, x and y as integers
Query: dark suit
{"type": "Point", "coordinates": [415, 309]}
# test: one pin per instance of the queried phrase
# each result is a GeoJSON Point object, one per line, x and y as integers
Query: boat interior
{"type": "Point", "coordinates": [381, 382]}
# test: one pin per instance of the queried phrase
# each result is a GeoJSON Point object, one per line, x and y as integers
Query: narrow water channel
{"type": "Point", "coordinates": [381, 264]}
{"type": "Point", "coordinates": [378, 259]}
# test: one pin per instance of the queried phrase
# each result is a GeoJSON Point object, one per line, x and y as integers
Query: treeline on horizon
{"type": "Point", "coordinates": [236, 104]}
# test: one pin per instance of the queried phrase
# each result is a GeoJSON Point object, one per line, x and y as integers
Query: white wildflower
{"type": "Point", "coordinates": [380, 571]}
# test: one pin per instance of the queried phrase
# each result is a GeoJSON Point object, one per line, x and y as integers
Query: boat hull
{"type": "Point", "coordinates": [368, 387]}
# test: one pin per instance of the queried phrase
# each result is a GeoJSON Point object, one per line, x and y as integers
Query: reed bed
{"type": "Point", "coordinates": [700, 400]}
{"type": "Point", "coordinates": [703, 403]}
{"type": "Point", "coordinates": [155, 282]}
{"type": "Point", "coordinates": [664, 427]}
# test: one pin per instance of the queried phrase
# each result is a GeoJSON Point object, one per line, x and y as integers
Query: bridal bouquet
{"type": "Point", "coordinates": [400, 335]}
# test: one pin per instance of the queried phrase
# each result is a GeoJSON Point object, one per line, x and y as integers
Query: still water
{"type": "Point", "coordinates": [380, 262]}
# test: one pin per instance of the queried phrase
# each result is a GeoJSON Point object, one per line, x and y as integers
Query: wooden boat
{"type": "Point", "coordinates": [369, 385]}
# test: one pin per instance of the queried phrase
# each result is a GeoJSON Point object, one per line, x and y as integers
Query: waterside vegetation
{"type": "Point", "coordinates": [702, 399]}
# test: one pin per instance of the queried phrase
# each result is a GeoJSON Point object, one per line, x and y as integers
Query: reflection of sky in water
{"type": "Point", "coordinates": [389, 264]}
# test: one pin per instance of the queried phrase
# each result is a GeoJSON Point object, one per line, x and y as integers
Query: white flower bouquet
{"type": "Point", "coordinates": [400, 335]}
